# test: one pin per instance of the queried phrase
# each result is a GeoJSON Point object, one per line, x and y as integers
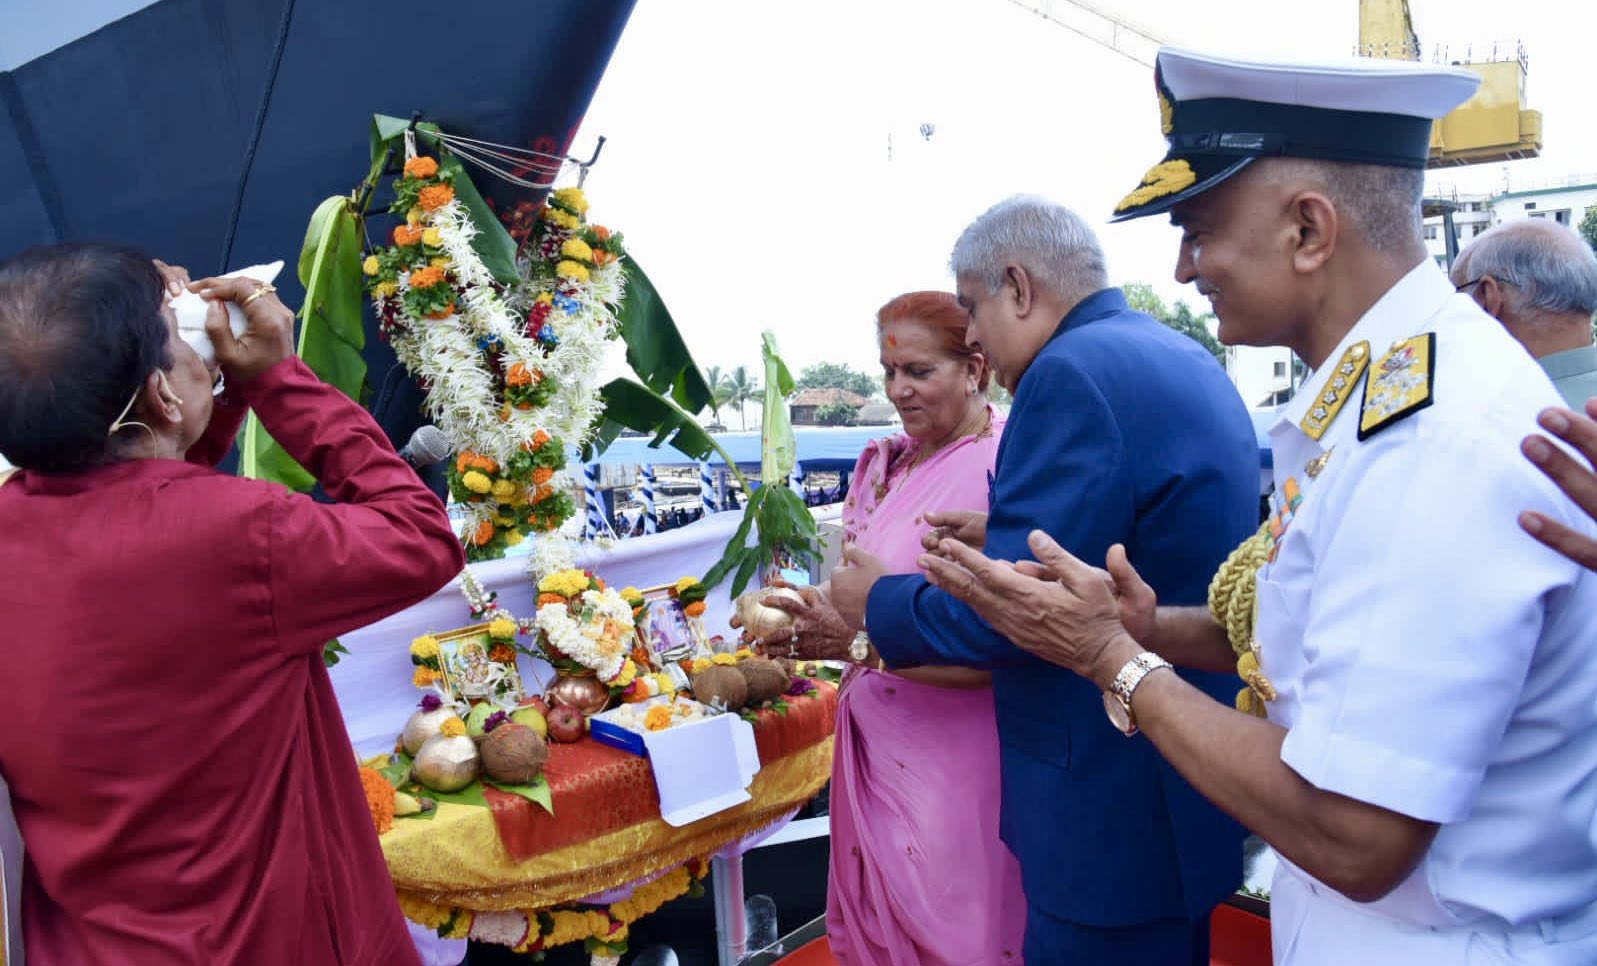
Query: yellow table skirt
{"type": "Point", "coordinates": [456, 859]}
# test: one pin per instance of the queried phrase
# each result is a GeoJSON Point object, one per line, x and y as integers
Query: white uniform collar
{"type": "Point", "coordinates": [1402, 312]}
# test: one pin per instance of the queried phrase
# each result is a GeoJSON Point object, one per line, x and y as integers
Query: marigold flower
{"type": "Point", "coordinates": [519, 375]}
{"type": "Point", "coordinates": [442, 262]}
{"type": "Point", "coordinates": [421, 166]}
{"type": "Point", "coordinates": [503, 628]}
{"type": "Point", "coordinates": [379, 798]}
{"type": "Point", "coordinates": [424, 647]}
{"type": "Point", "coordinates": [636, 691]}
{"type": "Point", "coordinates": [684, 583]}
{"type": "Point", "coordinates": [539, 437]}
{"type": "Point", "coordinates": [577, 249]}
{"type": "Point", "coordinates": [432, 237]}
{"type": "Point", "coordinates": [724, 659]}
{"type": "Point", "coordinates": [503, 653]}
{"type": "Point", "coordinates": [549, 597]}
{"type": "Point", "coordinates": [658, 718]}
{"type": "Point", "coordinates": [413, 216]}
{"type": "Point", "coordinates": [422, 678]}
{"type": "Point", "coordinates": [406, 235]}
{"type": "Point", "coordinates": [476, 482]}
{"type": "Point", "coordinates": [695, 609]}
{"type": "Point", "coordinates": [627, 674]}
{"type": "Point", "coordinates": [426, 277]}
{"type": "Point", "coordinates": [632, 595]}
{"type": "Point", "coordinates": [601, 257]}
{"type": "Point", "coordinates": [513, 538]}
{"type": "Point", "coordinates": [435, 196]}
{"type": "Point", "coordinates": [542, 475]}
{"type": "Point", "coordinates": [542, 493]}
{"type": "Point", "coordinates": [701, 664]}
{"type": "Point", "coordinates": [601, 232]}
{"type": "Point", "coordinates": [371, 265]}
{"type": "Point", "coordinates": [573, 270]}
{"type": "Point", "coordinates": [484, 533]}
{"type": "Point", "coordinates": [452, 727]}
{"type": "Point", "coordinates": [442, 313]}
{"type": "Point", "coordinates": [503, 490]}
{"type": "Point", "coordinates": [386, 290]}
{"type": "Point", "coordinates": [572, 198]}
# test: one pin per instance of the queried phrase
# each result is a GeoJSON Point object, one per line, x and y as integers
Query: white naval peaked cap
{"type": "Point", "coordinates": [1219, 114]}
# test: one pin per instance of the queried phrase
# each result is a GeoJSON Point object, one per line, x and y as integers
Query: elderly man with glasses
{"type": "Point", "coordinates": [1539, 279]}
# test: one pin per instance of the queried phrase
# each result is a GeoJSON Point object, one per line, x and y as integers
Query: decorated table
{"type": "Point", "coordinates": [483, 871]}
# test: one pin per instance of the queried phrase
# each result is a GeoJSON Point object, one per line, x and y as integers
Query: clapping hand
{"type": "Point", "coordinates": [1578, 482]}
{"type": "Point", "coordinates": [969, 527]}
{"type": "Point", "coordinates": [1060, 609]}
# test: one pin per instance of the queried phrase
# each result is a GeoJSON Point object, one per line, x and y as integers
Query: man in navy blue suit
{"type": "Point", "coordinates": [1122, 431]}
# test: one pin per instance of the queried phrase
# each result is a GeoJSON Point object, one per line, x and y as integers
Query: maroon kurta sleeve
{"type": "Point", "coordinates": [227, 415]}
{"type": "Point", "coordinates": [387, 542]}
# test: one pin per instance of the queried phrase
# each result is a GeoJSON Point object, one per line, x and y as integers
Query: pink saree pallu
{"type": "Point", "coordinates": [918, 874]}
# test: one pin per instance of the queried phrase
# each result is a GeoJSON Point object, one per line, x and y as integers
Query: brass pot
{"type": "Point", "coordinates": [583, 692]}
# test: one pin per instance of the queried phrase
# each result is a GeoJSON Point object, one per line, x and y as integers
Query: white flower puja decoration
{"type": "Point", "coordinates": [596, 635]}
{"type": "Point", "coordinates": [564, 339]}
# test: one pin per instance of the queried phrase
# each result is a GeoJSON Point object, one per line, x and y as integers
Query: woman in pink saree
{"type": "Point", "coordinates": [918, 874]}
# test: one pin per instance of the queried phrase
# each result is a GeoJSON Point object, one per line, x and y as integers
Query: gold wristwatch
{"type": "Point", "coordinates": [1117, 700]}
{"type": "Point", "coordinates": [860, 648]}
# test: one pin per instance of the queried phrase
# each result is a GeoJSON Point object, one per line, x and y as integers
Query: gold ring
{"type": "Point", "coordinates": [265, 288]}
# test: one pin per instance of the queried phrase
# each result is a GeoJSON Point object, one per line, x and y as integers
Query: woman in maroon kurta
{"type": "Point", "coordinates": [178, 765]}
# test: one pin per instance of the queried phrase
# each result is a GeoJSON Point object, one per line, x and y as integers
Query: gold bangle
{"type": "Point", "coordinates": [265, 288]}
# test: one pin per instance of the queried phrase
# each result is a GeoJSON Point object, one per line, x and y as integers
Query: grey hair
{"type": "Point", "coordinates": [1052, 243]}
{"type": "Point", "coordinates": [1551, 267]}
{"type": "Point", "coordinates": [1382, 203]}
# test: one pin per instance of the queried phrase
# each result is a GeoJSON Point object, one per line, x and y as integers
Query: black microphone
{"type": "Point", "coordinates": [427, 445]}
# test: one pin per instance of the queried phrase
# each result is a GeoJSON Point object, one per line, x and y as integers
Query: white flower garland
{"type": "Point", "coordinates": [591, 640]}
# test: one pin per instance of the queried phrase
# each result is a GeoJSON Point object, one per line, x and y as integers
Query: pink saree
{"type": "Point", "coordinates": [918, 874]}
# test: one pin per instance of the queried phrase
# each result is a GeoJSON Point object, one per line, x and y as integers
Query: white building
{"type": "Point", "coordinates": [1566, 204]}
{"type": "Point", "coordinates": [1262, 374]}
{"type": "Point", "coordinates": [1472, 214]}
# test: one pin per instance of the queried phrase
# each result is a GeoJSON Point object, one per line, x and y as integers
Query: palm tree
{"type": "Point", "coordinates": [716, 380]}
{"type": "Point", "coordinates": [743, 388]}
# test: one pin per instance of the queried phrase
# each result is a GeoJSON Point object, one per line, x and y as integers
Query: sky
{"type": "Point", "coordinates": [766, 164]}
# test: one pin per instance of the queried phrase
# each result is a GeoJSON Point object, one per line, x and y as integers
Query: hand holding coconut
{"type": "Point", "coordinates": [794, 619]}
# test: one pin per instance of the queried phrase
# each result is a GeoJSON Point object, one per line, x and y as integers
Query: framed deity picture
{"type": "Point", "coordinates": [668, 632]}
{"type": "Point", "coordinates": [472, 664]}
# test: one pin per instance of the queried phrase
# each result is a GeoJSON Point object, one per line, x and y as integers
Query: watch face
{"type": "Point", "coordinates": [1118, 715]}
{"type": "Point", "coordinates": [860, 648]}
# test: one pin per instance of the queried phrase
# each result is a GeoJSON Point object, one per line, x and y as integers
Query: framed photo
{"type": "Point", "coordinates": [666, 631]}
{"type": "Point", "coordinates": [472, 668]}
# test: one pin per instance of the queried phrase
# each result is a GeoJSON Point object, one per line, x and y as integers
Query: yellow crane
{"type": "Point", "coordinates": [1494, 125]}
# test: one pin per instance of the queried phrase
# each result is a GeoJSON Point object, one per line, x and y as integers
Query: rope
{"type": "Point", "coordinates": [707, 492]}
{"type": "Point", "coordinates": [650, 523]}
{"type": "Point", "coordinates": [255, 135]}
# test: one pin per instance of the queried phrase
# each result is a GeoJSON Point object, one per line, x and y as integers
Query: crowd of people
{"type": "Point", "coordinates": [1391, 681]}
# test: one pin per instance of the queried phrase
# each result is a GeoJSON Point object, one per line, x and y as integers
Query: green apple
{"type": "Point", "coordinates": [479, 714]}
{"type": "Point", "coordinates": [532, 718]}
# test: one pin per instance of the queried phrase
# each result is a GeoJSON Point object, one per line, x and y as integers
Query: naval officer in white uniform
{"type": "Point", "coordinates": [1418, 729]}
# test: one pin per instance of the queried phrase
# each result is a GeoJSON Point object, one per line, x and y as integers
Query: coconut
{"type": "Point", "coordinates": [423, 725]}
{"type": "Point", "coordinates": [765, 678]}
{"type": "Point", "coordinates": [513, 754]}
{"type": "Point", "coordinates": [760, 620]}
{"type": "Point", "coordinates": [445, 763]}
{"type": "Point", "coordinates": [719, 685]}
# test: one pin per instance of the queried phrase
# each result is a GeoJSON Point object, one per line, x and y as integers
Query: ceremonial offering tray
{"type": "Point", "coordinates": [625, 727]}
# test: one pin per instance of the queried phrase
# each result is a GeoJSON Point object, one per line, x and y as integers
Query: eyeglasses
{"type": "Point", "coordinates": [1469, 284]}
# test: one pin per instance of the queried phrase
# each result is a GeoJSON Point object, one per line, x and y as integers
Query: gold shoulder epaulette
{"type": "Point", "coordinates": [1337, 390]}
{"type": "Point", "coordinates": [1399, 385]}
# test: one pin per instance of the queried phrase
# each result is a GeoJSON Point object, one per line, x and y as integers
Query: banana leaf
{"type": "Point", "coordinates": [777, 517]}
{"type": "Point", "coordinates": [331, 334]}
{"type": "Point", "coordinates": [492, 243]}
{"type": "Point", "coordinates": [655, 349]}
{"type": "Point", "coordinates": [632, 405]}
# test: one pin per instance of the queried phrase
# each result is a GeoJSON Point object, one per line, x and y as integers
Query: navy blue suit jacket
{"type": "Point", "coordinates": [1122, 431]}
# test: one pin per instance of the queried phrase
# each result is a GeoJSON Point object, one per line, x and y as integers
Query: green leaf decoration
{"type": "Point", "coordinates": [778, 448]}
{"type": "Point", "coordinates": [331, 333]}
{"type": "Point", "coordinates": [492, 243]}
{"type": "Point", "coordinates": [332, 651]}
{"type": "Point", "coordinates": [655, 349]}
{"type": "Point", "coordinates": [632, 405]}
{"type": "Point", "coordinates": [537, 792]}
{"type": "Point", "coordinates": [385, 128]}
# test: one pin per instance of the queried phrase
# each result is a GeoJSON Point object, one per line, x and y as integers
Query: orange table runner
{"type": "Point", "coordinates": [597, 789]}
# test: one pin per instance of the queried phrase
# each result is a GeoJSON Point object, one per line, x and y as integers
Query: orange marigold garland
{"type": "Point", "coordinates": [379, 798]}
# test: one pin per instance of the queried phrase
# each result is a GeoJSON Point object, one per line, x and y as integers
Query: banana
{"type": "Point", "coordinates": [406, 804]}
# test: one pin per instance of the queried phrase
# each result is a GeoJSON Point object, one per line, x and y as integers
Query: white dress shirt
{"type": "Point", "coordinates": [1433, 659]}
